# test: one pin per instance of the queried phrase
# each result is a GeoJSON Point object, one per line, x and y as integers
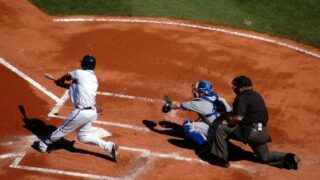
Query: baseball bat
{"type": "Point", "coordinates": [49, 76]}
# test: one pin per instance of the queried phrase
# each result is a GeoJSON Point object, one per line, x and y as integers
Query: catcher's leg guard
{"type": "Point", "coordinates": [193, 133]}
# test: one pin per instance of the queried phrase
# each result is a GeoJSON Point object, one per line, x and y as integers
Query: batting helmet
{"type": "Point", "coordinates": [88, 62]}
{"type": "Point", "coordinates": [202, 87]}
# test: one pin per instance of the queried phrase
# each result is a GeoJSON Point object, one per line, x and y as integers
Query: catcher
{"type": "Point", "coordinates": [210, 108]}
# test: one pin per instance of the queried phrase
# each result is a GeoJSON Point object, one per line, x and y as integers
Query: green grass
{"type": "Point", "coordinates": [298, 20]}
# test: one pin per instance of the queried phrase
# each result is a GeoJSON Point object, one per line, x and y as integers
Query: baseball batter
{"type": "Point", "coordinates": [204, 104]}
{"type": "Point", "coordinates": [82, 92]}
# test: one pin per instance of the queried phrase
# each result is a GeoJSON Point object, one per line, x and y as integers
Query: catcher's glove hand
{"type": "Point", "coordinates": [166, 108]}
{"type": "Point", "coordinates": [167, 105]}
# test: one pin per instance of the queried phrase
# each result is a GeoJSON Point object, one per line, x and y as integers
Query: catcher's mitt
{"type": "Point", "coordinates": [167, 105]}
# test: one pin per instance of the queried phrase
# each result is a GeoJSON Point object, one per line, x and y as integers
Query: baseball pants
{"type": "Point", "coordinates": [257, 141]}
{"type": "Point", "coordinates": [81, 120]}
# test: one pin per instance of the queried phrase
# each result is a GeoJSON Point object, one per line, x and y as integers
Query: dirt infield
{"type": "Point", "coordinates": [137, 63]}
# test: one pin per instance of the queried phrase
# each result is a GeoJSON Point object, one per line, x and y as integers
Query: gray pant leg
{"type": "Point", "coordinates": [220, 140]}
{"type": "Point", "coordinates": [258, 143]}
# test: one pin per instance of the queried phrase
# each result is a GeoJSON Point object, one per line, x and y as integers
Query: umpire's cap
{"type": "Point", "coordinates": [88, 62]}
{"type": "Point", "coordinates": [241, 81]}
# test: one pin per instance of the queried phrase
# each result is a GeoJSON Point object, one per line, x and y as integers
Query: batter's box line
{"type": "Point", "coordinates": [54, 113]}
{"type": "Point", "coordinates": [18, 157]}
{"type": "Point", "coordinates": [129, 97]}
{"type": "Point", "coordinates": [65, 96]}
{"type": "Point", "coordinates": [122, 125]}
{"type": "Point", "coordinates": [28, 79]}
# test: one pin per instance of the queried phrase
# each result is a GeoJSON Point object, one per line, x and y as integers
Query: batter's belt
{"type": "Point", "coordinates": [85, 108]}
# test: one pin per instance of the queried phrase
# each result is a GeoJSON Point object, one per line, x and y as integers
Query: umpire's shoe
{"type": "Point", "coordinates": [115, 152]}
{"type": "Point", "coordinates": [203, 150]}
{"type": "Point", "coordinates": [222, 162]}
{"type": "Point", "coordinates": [292, 161]}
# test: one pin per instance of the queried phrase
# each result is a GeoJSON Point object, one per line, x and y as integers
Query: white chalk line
{"type": "Point", "coordinates": [11, 155]}
{"type": "Point", "coordinates": [209, 28]}
{"type": "Point", "coordinates": [18, 157]}
{"type": "Point", "coordinates": [55, 111]}
{"type": "Point", "coordinates": [24, 141]}
{"type": "Point", "coordinates": [145, 167]}
{"type": "Point", "coordinates": [28, 79]}
{"type": "Point", "coordinates": [59, 104]}
{"type": "Point", "coordinates": [129, 97]}
{"type": "Point", "coordinates": [122, 125]}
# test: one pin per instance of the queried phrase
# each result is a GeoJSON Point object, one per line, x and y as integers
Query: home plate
{"type": "Point", "coordinates": [100, 132]}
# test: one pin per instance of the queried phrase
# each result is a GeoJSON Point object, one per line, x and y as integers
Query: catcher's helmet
{"type": "Point", "coordinates": [202, 87]}
{"type": "Point", "coordinates": [88, 62]}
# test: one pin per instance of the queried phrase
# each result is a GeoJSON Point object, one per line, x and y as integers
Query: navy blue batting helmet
{"type": "Point", "coordinates": [88, 62]}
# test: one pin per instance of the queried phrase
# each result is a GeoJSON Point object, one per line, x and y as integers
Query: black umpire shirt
{"type": "Point", "coordinates": [251, 106]}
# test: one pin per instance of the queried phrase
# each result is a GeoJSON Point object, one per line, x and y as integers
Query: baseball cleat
{"type": "Point", "coordinates": [292, 161]}
{"type": "Point", "coordinates": [43, 147]}
{"type": "Point", "coordinates": [215, 160]}
{"type": "Point", "coordinates": [115, 152]}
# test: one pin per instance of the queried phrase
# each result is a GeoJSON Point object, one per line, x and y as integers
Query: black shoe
{"type": "Point", "coordinates": [203, 149]}
{"type": "Point", "coordinates": [292, 161]}
{"type": "Point", "coordinates": [222, 162]}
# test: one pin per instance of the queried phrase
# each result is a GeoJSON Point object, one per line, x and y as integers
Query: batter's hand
{"type": "Point", "coordinates": [59, 82]}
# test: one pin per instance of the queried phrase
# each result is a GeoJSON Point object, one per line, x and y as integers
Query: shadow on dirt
{"type": "Point", "coordinates": [40, 129]}
{"type": "Point", "coordinates": [173, 129]}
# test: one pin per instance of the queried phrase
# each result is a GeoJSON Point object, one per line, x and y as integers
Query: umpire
{"type": "Point", "coordinates": [248, 124]}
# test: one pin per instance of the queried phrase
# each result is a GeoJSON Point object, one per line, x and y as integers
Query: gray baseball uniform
{"type": "Point", "coordinates": [200, 131]}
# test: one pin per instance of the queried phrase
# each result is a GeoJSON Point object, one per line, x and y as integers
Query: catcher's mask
{"type": "Point", "coordinates": [204, 87]}
{"type": "Point", "coordinates": [88, 62]}
{"type": "Point", "coordinates": [239, 82]}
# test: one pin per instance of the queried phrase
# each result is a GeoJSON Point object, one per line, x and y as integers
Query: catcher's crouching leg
{"type": "Point", "coordinates": [193, 134]}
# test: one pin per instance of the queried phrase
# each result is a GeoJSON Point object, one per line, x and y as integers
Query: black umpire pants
{"type": "Point", "coordinates": [257, 140]}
